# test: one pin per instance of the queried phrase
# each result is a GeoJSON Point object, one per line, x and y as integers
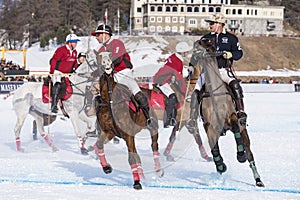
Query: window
{"type": "Point", "coordinates": [211, 9]}
{"type": "Point", "coordinates": [181, 19]}
{"type": "Point", "coordinates": [189, 9]}
{"type": "Point", "coordinates": [168, 8]}
{"type": "Point", "coordinates": [152, 19]}
{"type": "Point", "coordinates": [203, 9]}
{"type": "Point", "coordinates": [167, 20]}
{"type": "Point", "coordinates": [139, 9]}
{"type": "Point", "coordinates": [174, 9]}
{"type": "Point", "coordinates": [138, 21]}
{"type": "Point", "coordinates": [152, 29]}
{"type": "Point", "coordinates": [181, 9]}
{"type": "Point", "coordinates": [174, 19]}
{"type": "Point", "coordinates": [174, 29]}
{"type": "Point", "coordinates": [159, 19]}
{"type": "Point", "coordinates": [159, 29]}
{"type": "Point", "coordinates": [218, 9]}
{"type": "Point", "coordinates": [228, 11]}
{"type": "Point", "coordinates": [167, 29]}
{"type": "Point", "coordinates": [159, 8]}
{"type": "Point", "coordinates": [192, 22]}
{"type": "Point", "coordinates": [240, 11]}
{"type": "Point", "coordinates": [196, 9]}
{"type": "Point", "coordinates": [233, 11]}
{"type": "Point", "coordinates": [152, 8]}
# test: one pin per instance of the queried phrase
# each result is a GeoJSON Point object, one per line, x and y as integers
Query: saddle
{"type": "Point", "coordinates": [65, 93]}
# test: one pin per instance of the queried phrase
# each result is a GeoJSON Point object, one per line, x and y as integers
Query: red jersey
{"type": "Point", "coordinates": [172, 67]}
{"type": "Point", "coordinates": [63, 60]}
{"type": "Point", "coordinates": [120, 57]}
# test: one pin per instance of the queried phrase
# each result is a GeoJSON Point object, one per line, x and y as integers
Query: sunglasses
{"type": "Point", "coordinates": [212, 23]}
{"type": "Point", "coordinates": [98, 34]}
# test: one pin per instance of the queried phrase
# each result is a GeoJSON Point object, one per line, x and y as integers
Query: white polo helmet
{"type": "Point", "coordinates": [183, 47]}
{"type": "Point", "coordinates": [72, 38]}
{"type": "Point", "coordinates": [219, 18]}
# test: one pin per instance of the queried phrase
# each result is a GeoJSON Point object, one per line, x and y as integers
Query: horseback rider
{"type": "Point", "coordinates": [171, 73]}
{"type": "Point", "coordinates": [64, 61]}
{"type": "Point", "coordinates": [228, 44]}
{"type": "Point", "coordinates": [122, 67]}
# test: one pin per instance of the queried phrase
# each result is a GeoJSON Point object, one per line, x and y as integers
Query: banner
{"type": "Point", "coordinates": [8, 86]}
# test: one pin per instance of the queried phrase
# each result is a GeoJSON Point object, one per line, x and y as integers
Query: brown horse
{"type": "Point", "coordinates": [182, 117]}
{"type": "Point", "coordinates": [116, 118]}
{"type": "Point", "coordinates": [219, 114]}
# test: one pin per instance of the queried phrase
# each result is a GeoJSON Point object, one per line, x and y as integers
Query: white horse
{"type": "Point", "coordinates": [27, 99]}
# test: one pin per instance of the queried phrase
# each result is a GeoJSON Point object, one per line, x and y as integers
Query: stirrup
{"type": "Point", "coordinates": [54, 109]}
{"type": "Point", "coordinates": [152, 123]}
{"type": "Point", "coordinates": [242, 117]}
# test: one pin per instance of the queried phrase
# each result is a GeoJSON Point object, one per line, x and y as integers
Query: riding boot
{"type": "Point", "coordinates": [55, 94]}
{"type": "Point", "coordinates": [194, 111]}
{"type": "Point", "coordinates": [170, 112]}
{"type": "Point", "coordinates": [238, 95]}
{"type": "Point", "coordinates": [143, 103]}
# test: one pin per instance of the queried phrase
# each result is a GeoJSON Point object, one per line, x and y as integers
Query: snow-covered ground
{"type": "Point", "coordinates": [38, 173]}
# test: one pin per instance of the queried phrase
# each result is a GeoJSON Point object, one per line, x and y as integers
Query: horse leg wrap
{"type": "Point", "coordinates": [18, 143]}
{"type": "Point", "coordinates": [239, 142]}
{"type": "Point", "coordinates": [254, 170]}
{"type": "Point", "coordinates": [47, 139]}
{"type": "Point", "coordinates": [80, 142]}
{"type": "Point", "coordinates": [135, 172]}
{"type": "Point", "coordinates": [102, 158]}
{"type": "Point", "coordinates": [156, 161]}
{"type": "Point", "coordinates": [203, 153]}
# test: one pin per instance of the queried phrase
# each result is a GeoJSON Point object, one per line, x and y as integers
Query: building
{"type": "Point", "coordinates": [178, 16]}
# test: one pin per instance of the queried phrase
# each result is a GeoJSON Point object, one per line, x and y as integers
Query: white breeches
{"type": "Point", "coordinates": [166, 89]}
{"type": "Point", "coordinates": [224, 76]}
{"type": "Point", "coordinates": [125, 77]}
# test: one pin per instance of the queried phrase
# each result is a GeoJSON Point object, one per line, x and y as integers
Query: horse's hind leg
{"type": "Point", "coordinates": [99, 148]}
{"type": "Point", "coordinates": [201, 146]}
{"type": "Point", "coordinates": [156, 154]}
{"type": "Point", "coordinates": [241, 154]}
{"type": "Point", "coordinates": [250, 156]}
{"type": "Point", "coordinates": [20, 121]}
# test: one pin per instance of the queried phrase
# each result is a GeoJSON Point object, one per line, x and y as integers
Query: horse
{"type": "Point", "coordinates": [218, 111]}
{"type": "Point", "coordinates": [28, 99]}
{"type": "Point", "coordinates": [116, 118]}
{"type": "Point", "coordinates": [182, 115]}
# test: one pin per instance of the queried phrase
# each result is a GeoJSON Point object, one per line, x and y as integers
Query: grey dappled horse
{"type": "Point", "coordinates": [27, 99]}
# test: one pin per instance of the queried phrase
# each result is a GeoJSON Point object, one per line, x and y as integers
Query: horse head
{"type": "Point", "coordinates": [208, 44]}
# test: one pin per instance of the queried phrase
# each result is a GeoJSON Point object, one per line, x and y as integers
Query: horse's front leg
{"type": "Point", "coordinates": [156, 154]}
{"type": "Point", "coordinates": [99, 149]}
{"type": "Point", "coordinates": [250, 156]}
{"type": "Point", "coordinates": [134, 162]}
{"type": "Point", "coordinates": [74, 116]}
{"type": "Point", "coordinates": [213, 137]}
{"type": "Point", "coordinates": [241, 154]}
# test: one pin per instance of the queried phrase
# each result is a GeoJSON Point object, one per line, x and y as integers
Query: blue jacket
{"type": "Point", "coordinates": [226, 41]}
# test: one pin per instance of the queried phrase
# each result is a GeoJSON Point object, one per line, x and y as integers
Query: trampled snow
{"type": "Point", "coordinates": [38, 173]}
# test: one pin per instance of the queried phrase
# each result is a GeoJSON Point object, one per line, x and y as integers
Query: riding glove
{"type": "Point", "coordinates": [227, 55]}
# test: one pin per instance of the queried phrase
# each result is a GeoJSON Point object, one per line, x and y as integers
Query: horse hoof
{"type": "Point", "coordinates": [160, 173]}
{"type": "Point", "coordinates": [116, 140]}
{"type": "Point", "coordinates": [137, 185]}
{"type": "Point", "coordinates": [170, 158]}
{"type": "Point", "coordinates": [84, 151]}
{"type": "Point", "coordinates": [241, 157]}
{"type": "Point", "coordinates": [54, 149]}
{"type": "Point", "coordinates": [259, 183]}
{"type": "Point", "coordinates": [208, 159]}
{"type": "Point", "coordinates": [221, 168]}
{"type": "Point", "coordinates": [107, 169]}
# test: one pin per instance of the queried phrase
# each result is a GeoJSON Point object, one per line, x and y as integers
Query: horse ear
{"type": "Point", "coordinates": [98, 57]}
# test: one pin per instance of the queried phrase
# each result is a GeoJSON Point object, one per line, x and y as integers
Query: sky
{"type": "Point", "coordinates": [39, 173]}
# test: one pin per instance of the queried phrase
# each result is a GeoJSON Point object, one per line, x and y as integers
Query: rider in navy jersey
{"type": "Point", "coordinates": [227, 44]}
